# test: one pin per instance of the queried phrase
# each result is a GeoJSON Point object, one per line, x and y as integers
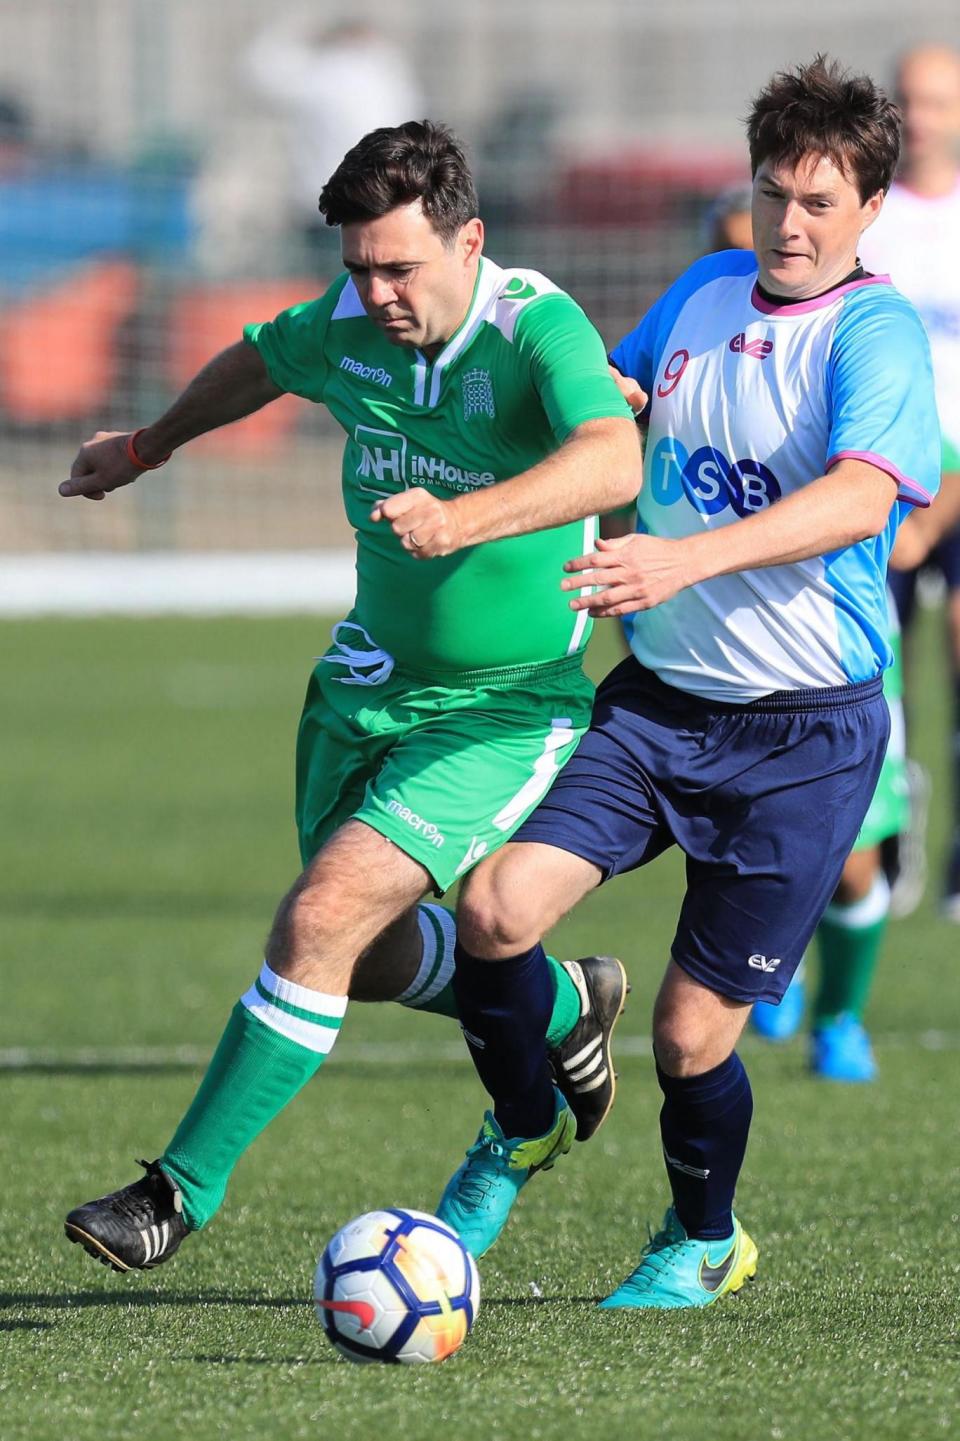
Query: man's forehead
{"type": "Point", "coordinates": [812, 172]}
{"type": "Point", "coordinates": [403, 235]}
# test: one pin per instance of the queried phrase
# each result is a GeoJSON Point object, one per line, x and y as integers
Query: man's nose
{"type": "Point", "coordinates": [381, 292]}
{"type": "Point", "coordinates": [788, 220]}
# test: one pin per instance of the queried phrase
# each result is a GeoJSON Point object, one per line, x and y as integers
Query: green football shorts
{"type": "Point", "coordinates": [445, 771]}
{"type": "Point", "coordinates": [889, 813]}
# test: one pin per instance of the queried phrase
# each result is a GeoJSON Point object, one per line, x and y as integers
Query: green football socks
{"type": "Point", "coordinates": [432, 987]}
{"type": "Point", "coordinates": [849, 938]}
{"type": "Point", "coordinates": [277, 1037]}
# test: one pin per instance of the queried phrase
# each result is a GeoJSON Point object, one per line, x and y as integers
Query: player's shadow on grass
{"type": "Point", "coordinates": [169, 1067]}
{"type": "Point", "coordinates": [78, 1300]}
{"type": "Point", "coordinates": [326, 1357]}
{"type": "Point", "coordinates": [126, 905]}
{"type": "Point", "coordinates": [489, 1302]}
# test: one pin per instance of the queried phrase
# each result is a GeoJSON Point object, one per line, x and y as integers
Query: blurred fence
{"type": "Point", "coordinates": [145, 212]}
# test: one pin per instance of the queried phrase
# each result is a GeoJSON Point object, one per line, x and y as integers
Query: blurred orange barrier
{"type": "Point", "coordinates": [205, 319]}
{"type": "Point", "coordinates": [58, 351]}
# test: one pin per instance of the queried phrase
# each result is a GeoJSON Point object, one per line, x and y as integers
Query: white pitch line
{"type": "Point", "coordinates": [370, 1053]}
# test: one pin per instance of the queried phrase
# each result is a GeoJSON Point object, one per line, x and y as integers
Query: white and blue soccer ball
{"type": "Point", "coordinates": [396, 1286]}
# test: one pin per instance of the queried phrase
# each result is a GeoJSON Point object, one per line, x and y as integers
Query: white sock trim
{"type": "Point", "coordinates": [270, 997]}
{"type": "Point", "coordinates": [431, 977]}
{"type": "Point", "coordinates": [308, 1034]}
{"type": "Point", "coordinates": [318, 1002]}
{"type": "Point", "coordinates": [866, 912]}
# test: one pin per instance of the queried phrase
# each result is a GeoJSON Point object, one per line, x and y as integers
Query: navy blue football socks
{"type": "Point", "coordinates": [704, 1124]}
{"type": "Point", "coordinates": [504, 1009]}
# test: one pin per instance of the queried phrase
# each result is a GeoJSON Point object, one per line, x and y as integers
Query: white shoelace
{"type": "Point", "coordinates": [367, 667]}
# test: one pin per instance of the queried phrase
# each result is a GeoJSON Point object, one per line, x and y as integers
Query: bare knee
{"type": "Point", "coordinates": [306, 915]}
{"type": "Point", "coordinates": [494, 919]}
{"type": "Point", "coordinates": [694, 1028]}
{"type": "Point", "coordinates": [680, 1046]}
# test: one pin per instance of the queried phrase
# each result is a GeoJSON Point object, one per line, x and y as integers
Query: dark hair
{"type": "Point", "coordinates": [821, 109]}
{"type": "Point", "coordinates": [397, 165]}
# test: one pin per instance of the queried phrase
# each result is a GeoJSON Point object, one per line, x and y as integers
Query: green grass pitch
{"type": "Point", "coordinates": [145, 773]}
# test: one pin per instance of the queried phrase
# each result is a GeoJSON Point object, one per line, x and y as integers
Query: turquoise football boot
{"type": "Point", "coordinates": [480, 1195]}
{"type": "Point", "coordinates": [779, 1023]}
{"type": "Point", "coordinates": [676, 1271]}
{"type": "Point", "coordinates": [840, 1050]}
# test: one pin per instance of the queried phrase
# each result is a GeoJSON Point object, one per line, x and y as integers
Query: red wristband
{"type": "Point", "coordinates": [134, 458]}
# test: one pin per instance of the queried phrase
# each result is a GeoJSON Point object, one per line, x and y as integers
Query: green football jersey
{"type": "Point", "coordinates": [522, 371]}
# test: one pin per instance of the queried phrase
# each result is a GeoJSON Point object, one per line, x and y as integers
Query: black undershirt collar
{"type": "Point", "coordinates": [857, 273]}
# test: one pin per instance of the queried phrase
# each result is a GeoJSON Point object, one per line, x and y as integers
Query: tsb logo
{"type": "Point", "coordinates": [708, 480]}
{"type": "Point", "coordinates": [740, 345]}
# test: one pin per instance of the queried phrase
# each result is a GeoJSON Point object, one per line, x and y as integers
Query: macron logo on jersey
{"type": "Point", "coordinates": [376, 373]}
{"type": "Point", "coordinates": [740, 345]}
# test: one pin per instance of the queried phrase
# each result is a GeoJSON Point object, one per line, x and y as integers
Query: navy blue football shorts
{"type": "Point", "coordinates": [765, 800]}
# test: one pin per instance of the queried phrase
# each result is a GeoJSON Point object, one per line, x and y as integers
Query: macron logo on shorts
{"type": "Point", "coordinates": [425, 828]}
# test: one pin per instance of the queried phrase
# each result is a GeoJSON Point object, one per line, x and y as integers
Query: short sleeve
{"type": "Point", "coordinates": [881, 392]}
{"type": "Point", "coordinates": [568, 365]}
{"type": "Point", "coordinates": [638, 354]}
{"type": "Point", "coordinates": [634, 355]}
{"type": "Point", "coordinates": [292, 344]}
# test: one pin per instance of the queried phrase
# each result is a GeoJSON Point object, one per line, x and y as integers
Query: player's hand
{"type": "Point", "coordinates": [426, 526]}
{"type": "Point", "coordinates": [630, 390]}
{"type": "Point", "coordinates": [101, 465]}
{"type": "Point", "coordinates": [636, 572]}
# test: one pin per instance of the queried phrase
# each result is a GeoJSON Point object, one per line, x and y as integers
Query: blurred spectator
{"type": "Point", "coordinates": [727, 224]}
{"type": "Point", "coordinates": [15, 137]}
{"type": "Point", "coordinates": [916, 239]}
{"type": "Point", "coordinates": [333, 84]}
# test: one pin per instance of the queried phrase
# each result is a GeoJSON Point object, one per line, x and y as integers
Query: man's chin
{"type": "Point", "coordinates": [793, 282]}
{"type": "Point", "coordinates": [399, 335]}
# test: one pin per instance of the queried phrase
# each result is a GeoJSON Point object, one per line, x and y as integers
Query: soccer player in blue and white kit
{"type": "Point", "coordinates": [792, 424]}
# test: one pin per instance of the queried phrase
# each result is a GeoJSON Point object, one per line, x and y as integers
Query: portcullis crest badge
{"type": "Point", "coordinates": [478, 394]}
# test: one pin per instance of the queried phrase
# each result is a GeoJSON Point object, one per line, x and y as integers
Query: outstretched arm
{"type": "Point", "coordinates": [637, 572]}
{"type": "Point", "coordinates": [233, 384]}
{"type": "Point", "coordinates": [598, 467]}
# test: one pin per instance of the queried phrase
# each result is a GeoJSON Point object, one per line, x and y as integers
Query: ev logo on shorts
{"type": "Point", "coordinates": [761, 963]}
{"type": "Point", "coordinates": [708, 480]}
{"type": "Point", "coordinates": [383, 460]}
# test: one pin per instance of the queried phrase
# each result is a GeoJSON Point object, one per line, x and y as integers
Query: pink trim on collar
{"type": "Point", "coordinates": [803, 307]}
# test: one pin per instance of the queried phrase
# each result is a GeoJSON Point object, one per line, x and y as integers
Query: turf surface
{"type": "Point", "coordinates": [145, 772]}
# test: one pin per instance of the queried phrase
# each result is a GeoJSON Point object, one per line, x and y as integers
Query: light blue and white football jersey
{"type": "Point", "coordinates": [749, 402]}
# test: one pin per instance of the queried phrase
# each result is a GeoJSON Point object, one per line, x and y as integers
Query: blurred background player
{"type": "Point", "coordinates": [727, 224]}
{"type": "Point", "coordinates": [322, 82]}
{"type": "Point", "coordinates": [331, 83]}
{"type": "Point", "coordinates": [916, 242]}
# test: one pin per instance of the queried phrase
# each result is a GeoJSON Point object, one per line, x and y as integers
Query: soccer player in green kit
{"type": "Point", "coordinates": [483, 434]}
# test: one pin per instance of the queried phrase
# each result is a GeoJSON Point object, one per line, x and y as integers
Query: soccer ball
{"type": "Point", "coordinates": [396, 1286]}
